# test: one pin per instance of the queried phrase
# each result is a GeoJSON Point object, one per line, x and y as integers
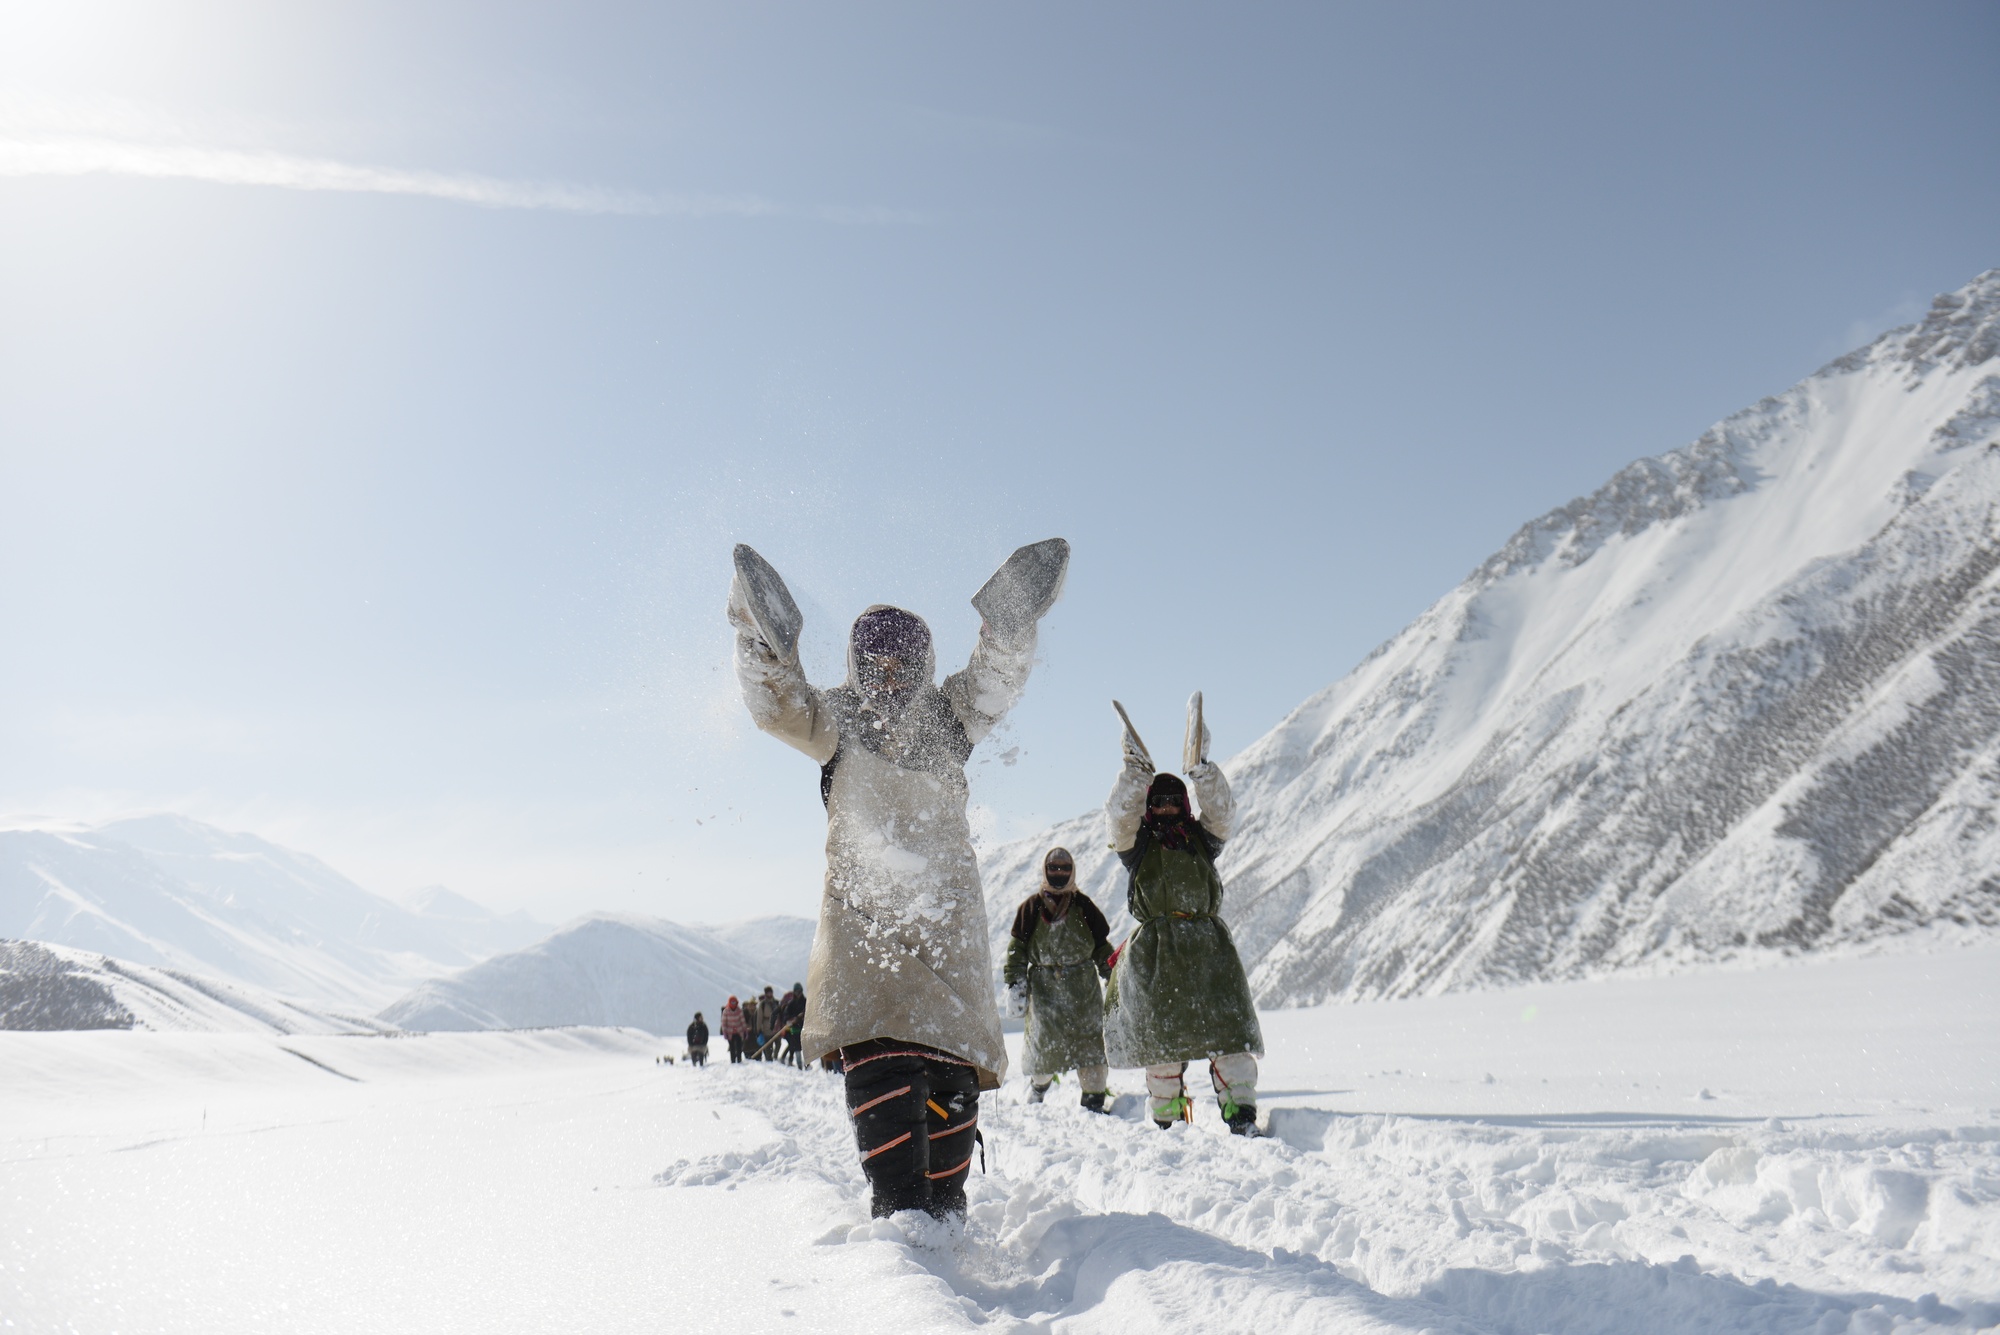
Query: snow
{"type": "Point", "coordinates": [616, 970]}
{"type": "Point", "coordinates": [55, 987]}
{"type": "Point", "coordinates": [1807, 1148]}
{"type": "Point", "coordinates": [1744, 699]}
{"type": "Point", "coordinates": [173, 893]}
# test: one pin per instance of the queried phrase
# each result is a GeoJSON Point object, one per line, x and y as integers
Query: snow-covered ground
{"type": "Point", "coordinates": [1813, 1148]}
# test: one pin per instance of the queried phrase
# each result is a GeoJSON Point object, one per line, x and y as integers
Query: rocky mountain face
{"type": "Point", "coordinates": [1743, 698]}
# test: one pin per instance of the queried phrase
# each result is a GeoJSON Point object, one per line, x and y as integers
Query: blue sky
{"type": "Point", "coordinates": [381, 388]}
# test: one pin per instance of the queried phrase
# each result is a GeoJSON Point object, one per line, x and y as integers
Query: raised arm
{"type": "Point", "coordinates": [984, 690]}
{"type": "Point", "coordinates": [780, 699]}
{"type": "Point", "coordinates": [1218, 804]}
{"type": "Point", "coordinates": [1126, 806]}
{"type": "Point", "coordinates": [1010, 604]}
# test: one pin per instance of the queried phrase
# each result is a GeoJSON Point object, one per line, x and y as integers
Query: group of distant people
{"type": "Point", "coordinates": [903, 997]}
{"type": "Point", "coordinates": [765, 1029]}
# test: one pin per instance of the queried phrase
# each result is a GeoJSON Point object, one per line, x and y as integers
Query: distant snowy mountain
{"type": "Point", "coordinates": [473, 928]}
{"type": "Point", "coordinates": [1745, 697]}
{"type": "Point", "coordinates": [606, 969]}
{"type": "Point", "coordinates": [53, 988]}
{"type": "Point", "coordinates": [169, 892]}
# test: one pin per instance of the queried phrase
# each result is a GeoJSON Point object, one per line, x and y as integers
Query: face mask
{"type": "Point", "coordinates": [1057, 879]}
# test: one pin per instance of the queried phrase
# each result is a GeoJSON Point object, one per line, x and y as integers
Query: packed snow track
{"type": "Point", "coordinates": [1804, 1149]}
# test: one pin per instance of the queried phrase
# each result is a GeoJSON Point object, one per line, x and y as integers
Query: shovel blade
{"type": "Point", "coordinates": [769, 601]}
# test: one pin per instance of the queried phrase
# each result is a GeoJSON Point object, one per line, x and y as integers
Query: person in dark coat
{"type": "Point", "coordinates": [698, 1041]}
{"type": "Point", "coordinates": [795, 1025]}
{"type": "Point", "coordinates": [1058, 950]}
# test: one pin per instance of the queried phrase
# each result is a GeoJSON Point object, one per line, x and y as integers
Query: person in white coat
{"type": "Point", "coordinates": [900, 979]}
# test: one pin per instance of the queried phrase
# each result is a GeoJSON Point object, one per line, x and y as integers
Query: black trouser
{"type": "Point", "coordinates": [916, 1112]}
{"type": "Point", "coordinates": [736, 1047]}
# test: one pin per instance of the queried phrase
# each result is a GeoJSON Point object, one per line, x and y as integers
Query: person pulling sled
{"type": "Point", "coordinates": [792, 1016]}
{"type": "Point", "coordinates": [1177, 992]}
{"type": "Point", "coordinates": [900, 972]}
{"type": "Point", "coordinates": [764, 1023]}
{"type": "Point", "coordinates": [1058, 950]}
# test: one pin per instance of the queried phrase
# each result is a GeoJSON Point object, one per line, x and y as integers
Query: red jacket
{"type": "Point", "coordinates": [733, 1023]}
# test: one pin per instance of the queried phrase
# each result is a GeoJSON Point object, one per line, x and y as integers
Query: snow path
{"type": "Point", "coordinates": [1843, 1175]}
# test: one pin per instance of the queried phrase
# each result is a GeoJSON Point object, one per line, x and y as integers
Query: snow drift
{"type": "Point", "coordinates": [1743, 698]}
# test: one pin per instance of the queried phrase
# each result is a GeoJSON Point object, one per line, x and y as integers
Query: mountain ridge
{"type": "Point", "coordinates": [166, 891]}
{"type": "Point", "coordinates": [617, 969]}
{"type": "Point", "coordinates": [1651, 710]}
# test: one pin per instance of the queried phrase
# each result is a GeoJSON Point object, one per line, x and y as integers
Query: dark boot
{"type": "Point", "coordinates": [1242, 1119]}
{"type": "Point", "coordinates": [1095, 1102]}
{"type": "Point", "coordinates": [885, 1099]}
{"type": "Point", "coordinates": [953, 1106]}
{"type": "Point", "coordinates": [915, 1119]}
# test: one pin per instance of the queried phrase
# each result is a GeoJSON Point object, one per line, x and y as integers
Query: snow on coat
{"type": "Point", "coordinates": [1059, 962]}
{"type": "Point", "coordinates": [1178, 992]}
{"type": "Point", "coordinates": [901, 950]}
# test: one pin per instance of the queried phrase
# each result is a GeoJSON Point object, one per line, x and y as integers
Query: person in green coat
{"type": "Point", "coordinates": [1059, 947]}
{"type": "Point", "coordinates": [1177, 990]}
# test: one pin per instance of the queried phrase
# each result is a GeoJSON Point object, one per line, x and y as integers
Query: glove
{"type": "Point", "coordinates": [1017, 1000]}
{"type": "Point", "coordinates": [1136, 757]}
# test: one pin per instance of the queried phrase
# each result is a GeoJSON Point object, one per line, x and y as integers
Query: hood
{"type": "Point", "coordinates": [886, 629]}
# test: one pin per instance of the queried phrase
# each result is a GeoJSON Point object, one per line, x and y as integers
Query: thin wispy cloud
{"type": "Point", "coordinates": [72, 155]}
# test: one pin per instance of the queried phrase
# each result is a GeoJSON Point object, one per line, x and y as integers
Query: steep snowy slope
{"type": "Point", "coordinates": [645, 973]}
{"type": "Point", "coordinates": [1744, 697]}
{"type": "Point", "coordinates": [174, 893]}
{"type": "Point", "coordinates": [48, 988]}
